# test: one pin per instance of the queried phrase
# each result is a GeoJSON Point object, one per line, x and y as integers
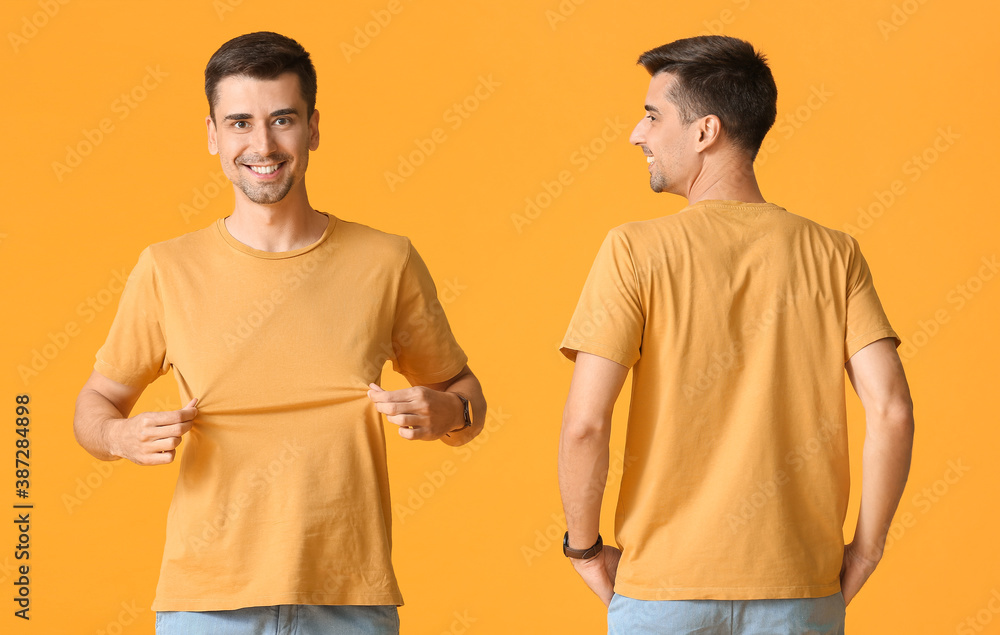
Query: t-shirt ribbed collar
{"type": "Point", "coordinates": [220, 225]}
{"type": "Point", "coordinates": [730, 205]}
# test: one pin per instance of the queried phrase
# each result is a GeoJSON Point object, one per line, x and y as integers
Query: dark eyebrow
{"type": "Point", "coordinates": [652, 109]}
{"type": "Point", "coordinates": [236, 116]}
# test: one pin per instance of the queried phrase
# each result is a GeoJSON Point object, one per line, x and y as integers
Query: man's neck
{"type": "Point", "coordinates": [284, 226]}
{"type": "Point", "coordinates": [731, 181]}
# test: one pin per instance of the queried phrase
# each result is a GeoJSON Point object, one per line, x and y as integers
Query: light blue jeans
{"type": "Point", "coordinates": [285, 619]}
{"type": "Point", "coordinates": [800, 616]}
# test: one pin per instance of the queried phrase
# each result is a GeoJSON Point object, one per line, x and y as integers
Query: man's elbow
{"type": "Point", "coordinates": [78, 424]}
{"type": "Point", "coordinates": [585, 427]}
{"type": "Point", "coordinates": [894, 419]}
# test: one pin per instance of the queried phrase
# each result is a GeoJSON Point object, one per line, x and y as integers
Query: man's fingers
{"type": "Point", "coordinates": [164, 445]}
{"type": "Point", "coordinates": [156, 458]}
{"type": "Point", "coordinates": [390, 408]}
{"type": "Point", "coordinates": [414, 434]}
{"type": "Point", "coordinates": [404, 420]}
{"type": "Point", "coordinates": [594, 573]}
{"type": "Point", "coordinates": [189, 412]}
{"type": "Point", "coordinates": [391, 396]}
{"type": "Point", "coordinates": [400, 408]}
{"type": "Point", "coordinates": [182, 428]}
{"type": "Point", "coordinates": [171, 417]}
{"type": "Point", "coordinates": [172, 431]}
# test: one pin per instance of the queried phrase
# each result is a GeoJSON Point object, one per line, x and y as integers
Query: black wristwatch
{"type": "Point", "coordinates": [465, 414]}
{"type": "Point", "coordinates": [582, 554]}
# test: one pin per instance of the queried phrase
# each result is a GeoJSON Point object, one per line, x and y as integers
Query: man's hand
{"type": "Point", "coordinates": [855, 571]}
{"type": "Point", "coordinates": [420, 412]}
{"type": "Point", "coordinates": [599, 572]}
{"type": "Point", "coordinates": [151, 438]}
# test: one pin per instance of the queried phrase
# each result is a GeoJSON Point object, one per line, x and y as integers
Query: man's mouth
{"type": "Point", "coordinates": [265, 170]}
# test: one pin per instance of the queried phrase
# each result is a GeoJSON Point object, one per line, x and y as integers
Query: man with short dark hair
{"type": "Point", "coordinates": [276, 321]}
{"type": "Point", "coordinates": [738, 319]}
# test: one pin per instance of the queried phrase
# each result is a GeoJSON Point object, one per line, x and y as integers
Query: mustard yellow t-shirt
{"type": "Point", "coordinates": [283, 494]}
{"type": "Point", "coordinates": [736, 320]}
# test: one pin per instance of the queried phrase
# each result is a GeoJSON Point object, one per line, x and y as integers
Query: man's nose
{"type": "Point", "coordinates": [263, 141]}
{"type": "Point", "coordinates": [638, 136]}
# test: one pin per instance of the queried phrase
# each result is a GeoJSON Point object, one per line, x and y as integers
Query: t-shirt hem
{"type": "Point", "coordinates": [115, 374]}
{"type": "Point", "coordinates": [229, 604]}
{"type": "Point", "coordinates": [727, 593]}
{"type": "Point", "coordinates": [432, 378]}
{"type": "Point", "coordinates": [864, 340]}
{"type": "Point", "coordinates": [569, 348]}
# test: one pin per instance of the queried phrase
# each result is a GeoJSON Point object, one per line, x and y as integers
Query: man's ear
{"type": "Point", "coordinates": [314, 130]}
{"type": "Point", "coordinates": [709, 130]}
{"type": "Point", "coordinates": [213, 141]}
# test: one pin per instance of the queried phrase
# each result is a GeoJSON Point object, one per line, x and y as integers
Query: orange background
{"type": "Point", "coordinates": [864, 88]}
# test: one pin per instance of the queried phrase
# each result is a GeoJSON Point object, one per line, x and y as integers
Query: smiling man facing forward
{"type": "Point", "coordinates": [276, 321]}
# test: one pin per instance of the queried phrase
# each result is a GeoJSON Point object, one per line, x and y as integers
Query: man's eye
{"type": "Point", "coordinates": [279, 121]}
{"type": "Point", "coordinates": [651, 117]}
{"type": "Point", "coordinates": [240, 124]}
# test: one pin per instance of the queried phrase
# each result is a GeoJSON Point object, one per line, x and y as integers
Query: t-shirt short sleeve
{"type": "Point", "coordinates": [866, 320]}
{"type": "Point", "coordinates": [425, 349]}
{"type": "Point", "coordinates": [135, 350]}
{"type": "Point", "coordinates": [609, 318]}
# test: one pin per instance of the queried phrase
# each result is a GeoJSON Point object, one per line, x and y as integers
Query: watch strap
{"type": "Point", "coordinates": [582, 554]}
{"type": "Point", "coordinates": [465, 413]}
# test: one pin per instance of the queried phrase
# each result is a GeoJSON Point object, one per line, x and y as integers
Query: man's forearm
{"type": "Point", "coordinates": [885, 466]}
{"type": "Point", "coordinates": [468, 386]}
{"type": "Point", "coordinates": [583, 474]}
{"type": "Point", "coordinates": [94, 424]}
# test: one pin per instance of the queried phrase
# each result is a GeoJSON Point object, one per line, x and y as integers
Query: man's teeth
{"type": "Point", "coordinates": [266, 169]}
{"type": "Point", "coordinates": [649, 159]}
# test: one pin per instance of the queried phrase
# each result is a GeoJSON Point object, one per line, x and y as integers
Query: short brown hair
{"type": "Point", "coordinates": [261, 55]}
{"type": "Point", "coordinates": [722, 76]}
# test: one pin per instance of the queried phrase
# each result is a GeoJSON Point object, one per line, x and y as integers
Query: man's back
{"type": "Point", "coordinates": [738, 319]}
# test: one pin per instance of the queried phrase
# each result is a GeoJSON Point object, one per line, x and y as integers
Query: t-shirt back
{"type": "Point", "coordinates": [737, 320]}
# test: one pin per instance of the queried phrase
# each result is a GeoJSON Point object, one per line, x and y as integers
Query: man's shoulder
{"type": "Point", "coordinates": [376, 248]}
{"type": "Point", "coordinates": [678, 222]}
{"type": "Point", "coordinates": [678, 228]}
{"type": "Point", "coordinates": [372, 240]}
{"type": "Point", "coordinates": [179, 248]}
{"type": "Point", "coordinates": [837, 239]}
{"type": "Point", "coordinates": [184, 245]}
{"type": "Point", "coordinates": [793, 218]}
{"type": "Point", "coordinates": [652, 230]}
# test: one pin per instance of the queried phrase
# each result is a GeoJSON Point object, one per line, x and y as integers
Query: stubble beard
{"type": "Point", "coordinates": [266, 193]}
{"type": "Point", "coordinates": [657, 182]}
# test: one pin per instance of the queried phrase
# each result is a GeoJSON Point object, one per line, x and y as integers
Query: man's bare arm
{"type": "Point", "coordinates": [103, 427]}
{"type": "Point", "coordinates": [877, 375]}
{"type": "Point", "coordinates": [583, 463]}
